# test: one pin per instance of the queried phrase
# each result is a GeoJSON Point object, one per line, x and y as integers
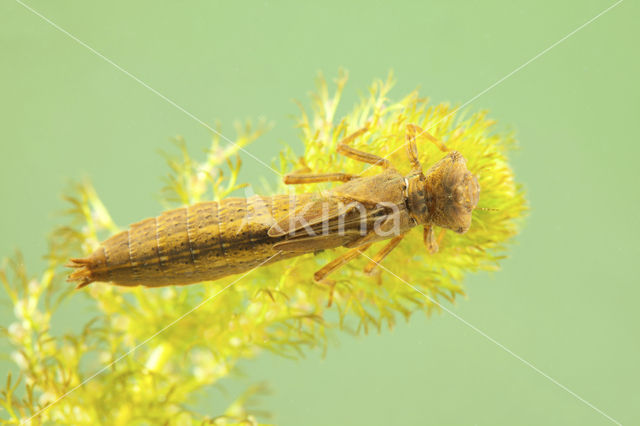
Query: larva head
{"type": "Point", "coordinates": [452, 193]}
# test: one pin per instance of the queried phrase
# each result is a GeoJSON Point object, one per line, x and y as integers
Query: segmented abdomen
{"type": "Point", "coordinates": [202, 242]}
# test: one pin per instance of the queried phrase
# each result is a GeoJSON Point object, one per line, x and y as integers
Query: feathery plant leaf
{"type": "Point", "coordinates": [154, 372]}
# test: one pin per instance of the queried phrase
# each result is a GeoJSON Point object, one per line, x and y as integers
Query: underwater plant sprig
{"type": "Point", "coordinates": [278, 307]}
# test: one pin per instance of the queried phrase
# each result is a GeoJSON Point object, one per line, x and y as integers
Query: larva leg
{"type": "Point", "coordinates": [356, 154]}
{"type": "Point", "coordinates": [371, 266]}
{"type": "Point", "coordinates": [412, 150]}
{"type": "Point", "coordinates": [365, 157]}
{"type": "Point", "coordinates": [430, 240]}
{"type": "Point", "coordinates": [321, 275]}
{"type": "Point", "coordinates": [299, 178]}
{"type": "Point", "coordinates": [338, 262]}
{"type": "Point", "coordinates": [353, 136]}
{"type": "Point", "coordinates": [441, 236]}
{"type": "Point", "coordinates": [417, 131]}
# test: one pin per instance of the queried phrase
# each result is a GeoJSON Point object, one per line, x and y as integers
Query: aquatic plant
{"type": "Point", "coordinates": [146, 354]}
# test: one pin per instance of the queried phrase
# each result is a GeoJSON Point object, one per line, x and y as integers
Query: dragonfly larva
{"type": "Point", "coordinates": [211, 240]}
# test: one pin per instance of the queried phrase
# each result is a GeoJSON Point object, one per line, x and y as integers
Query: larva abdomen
{"type": "Point", "coordinates": [202, 242]}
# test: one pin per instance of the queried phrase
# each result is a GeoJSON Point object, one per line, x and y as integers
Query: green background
{"type": "Point", "coordinates": [566, 299]}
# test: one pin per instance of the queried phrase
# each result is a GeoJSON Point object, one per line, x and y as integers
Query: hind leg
{"type": "Point", "coordinates": [300, 178]}
{"type": "Point", "coordinates": [305, 175]}
{"type": "Point", "coordinates": [344, 149]}
{"type": "Point", "coordinates": [339, 262]}
{"type": "Point", "coordinates": [321, 275]}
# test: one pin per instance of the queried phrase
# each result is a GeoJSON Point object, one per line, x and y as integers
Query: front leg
{"type": "Point", "coordinates": [412, 150]}
{"type": "Point", "coordinates": [417, 132]}
{"type": "Point", "coordinates": [430, 240]}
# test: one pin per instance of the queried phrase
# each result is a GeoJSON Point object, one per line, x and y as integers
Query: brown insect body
{"type": "Point", "coordinates": [211, 240]}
